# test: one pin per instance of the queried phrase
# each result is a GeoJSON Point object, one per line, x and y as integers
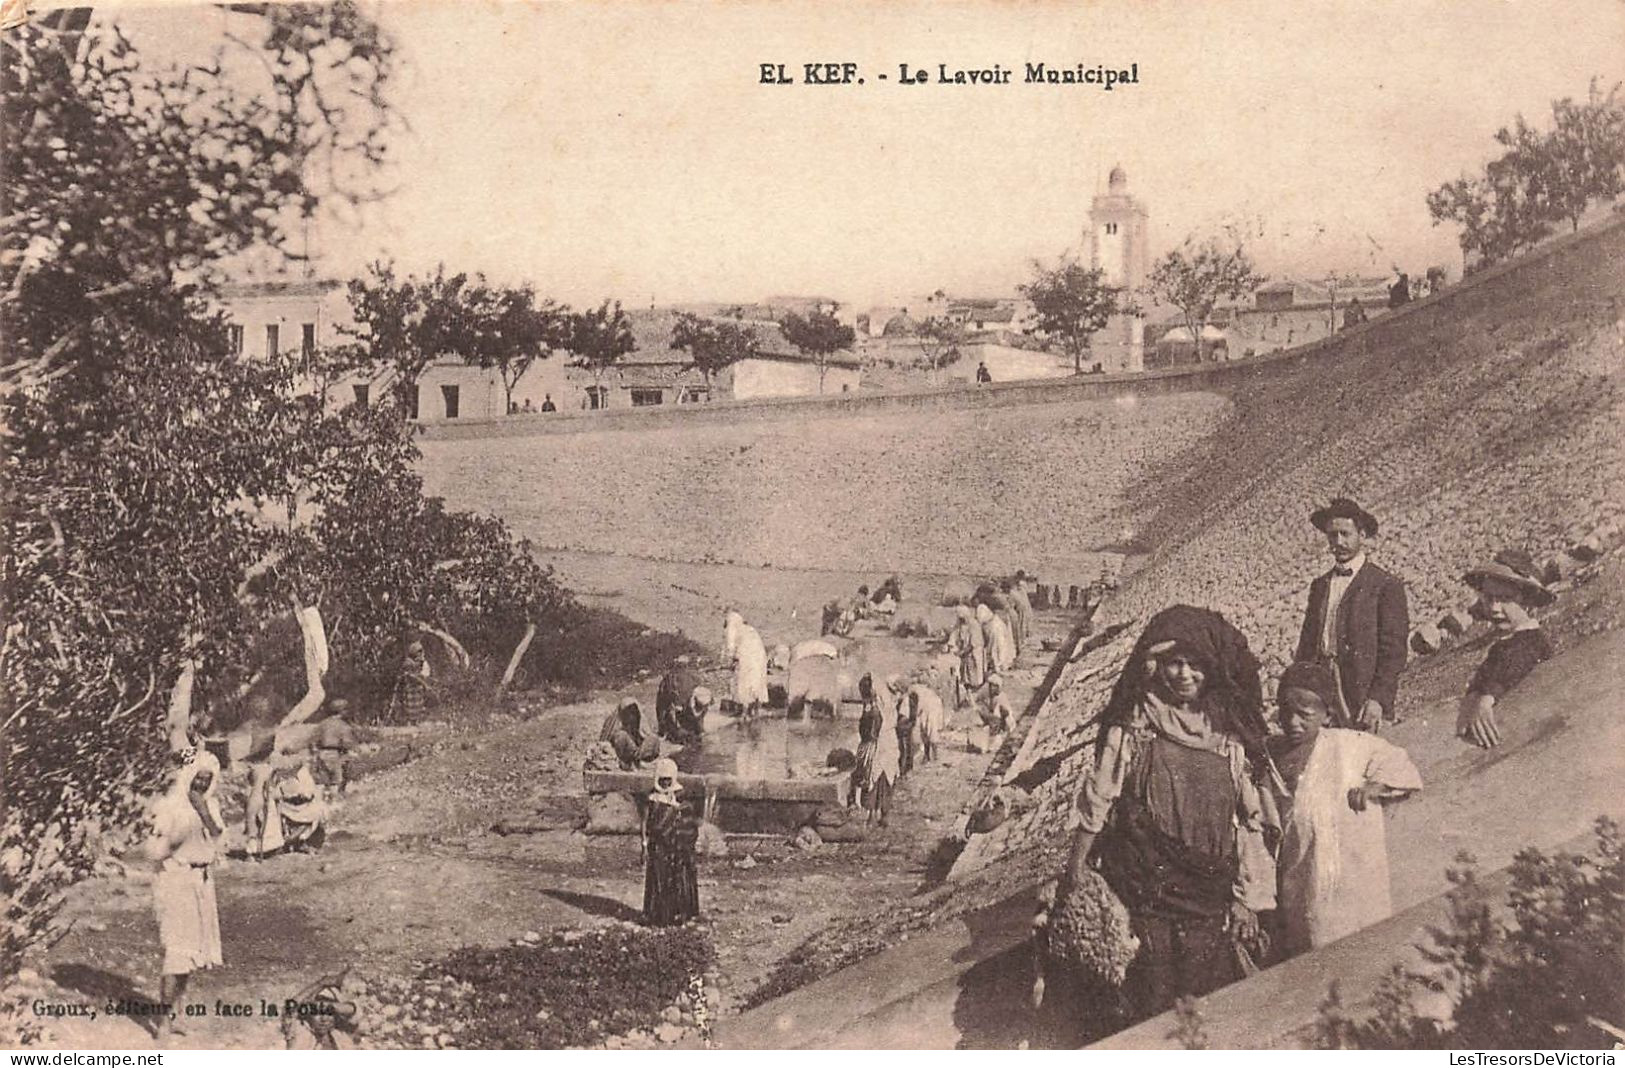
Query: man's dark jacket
{"type": "Point", "coordinates": [1373, 627]}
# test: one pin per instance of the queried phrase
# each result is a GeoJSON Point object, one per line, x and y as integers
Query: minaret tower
{"type": "Point", "coordinates": [1118, 246]}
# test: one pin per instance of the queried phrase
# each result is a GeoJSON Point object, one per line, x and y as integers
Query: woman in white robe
{"type": "Point", "coordinates": [1001, 647]}
{"type": "Point", "coordinates": [743, 647]}
{"type": "Point", "coordinates": [185, 843]}
{"type": "Point", "coordinates": [1333, 862]}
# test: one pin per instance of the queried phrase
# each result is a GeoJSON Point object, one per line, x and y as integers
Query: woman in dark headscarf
{"type": "Point", "coordinates": [1171, 813]}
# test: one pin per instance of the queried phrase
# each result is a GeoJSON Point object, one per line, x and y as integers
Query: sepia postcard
{"type": "Point", "coordinates": [742, 525]}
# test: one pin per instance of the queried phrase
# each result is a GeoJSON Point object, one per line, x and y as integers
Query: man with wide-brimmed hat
{"type": "Point", "coordinates": [1508, 595]}
{"type": "Point", "coordinates": [1357, 622]}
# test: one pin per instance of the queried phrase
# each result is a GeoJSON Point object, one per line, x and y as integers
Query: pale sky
{"type": "Point", "coordinates": [627, 150]}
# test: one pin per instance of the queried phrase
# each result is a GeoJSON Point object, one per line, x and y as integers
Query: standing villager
{"type": "Point", "coordinates": [906, 728]}
{"type": "Point", "coordinates": [634, 741]}
{"type": "Point", "coordinates": [1357, 622]}
{"type": "Point", "coordinates": [1508, 596]}
{"type": "Point", "coordinates": [1001, 650]}
{"type": "Point", "coordinates": [671, 885]}
{"type": "Point", "coordinates": [877, 768]}
{"type": "Point", "coordinates": [333, 741]}
{"type": "Point", "coordinates": [1333, 859]}
{"type": "Point", "coordinates": [411, 686]}
{"type": "Point", "coordinates": [925, 706]}
{"type": "Point", "coordinates": [967, 642]}
{"type": "Point", "coordinates": [742, 647]}
{"type": "Point", "coordinates": [185, 843]}
{"type": "Point", "coordinates": [1171, 811]}
{"type": "Point", "coordinates": [1015, 591]}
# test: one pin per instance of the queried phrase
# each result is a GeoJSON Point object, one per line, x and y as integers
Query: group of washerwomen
{"type": "Point", "coordinates": [903, 720]}
{"type": "Point", "coordinates": [986, 639]}
{"type": "Point", "coordinates": [840, 617]}
{"type": "Point", "coordinates": [1229, 845]}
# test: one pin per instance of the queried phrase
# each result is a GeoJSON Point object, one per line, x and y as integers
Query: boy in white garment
{"type": "Point", "coordinates": [1333, 863]}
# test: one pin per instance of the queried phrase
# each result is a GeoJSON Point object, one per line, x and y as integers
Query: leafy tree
{"type": "Point", "coordinates": [713, 346]}
{"type": "Point", "coordinates": [818, 335]}
{"type": "Point", "coordinates": [1197, 275]}
{"type": "Point", "coordinates": [1541, 179]}
{"type": "Point", "coordinates": [408, 323]}
{"type": "Point", "coordinates": [599, 337]}
{"type": "Point", "coordinates": [1584, 153]}
{"type": "Point", "coordinates": [1071, 303]}
{"type": "Point", "coordinates": [940, 338]}
{"type": "Point", "coordinates": [162, 499]}
{"type": "Point", "coordinates": [125, 180]}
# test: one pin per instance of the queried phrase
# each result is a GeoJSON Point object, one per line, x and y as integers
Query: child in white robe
{"type": "Point", "coordinates": [1333, 862]}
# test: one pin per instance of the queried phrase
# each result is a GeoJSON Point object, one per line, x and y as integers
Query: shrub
{"type": "Point", "coordinates": [1549, 979]}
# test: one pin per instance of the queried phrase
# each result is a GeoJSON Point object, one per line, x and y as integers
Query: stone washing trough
{"type": "Point", "coordinates": [757, 777]}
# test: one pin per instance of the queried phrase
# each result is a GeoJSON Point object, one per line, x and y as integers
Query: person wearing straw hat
{"type": "Point", "coordinates": [1357, 622]}
{"type": "Point", "coordinates": [1509, 593]}
{"type": "Point", "coordinates": [671, 885]}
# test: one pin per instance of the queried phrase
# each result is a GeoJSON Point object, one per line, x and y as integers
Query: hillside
{"type": "Point", "coordinates": [1488, 418]}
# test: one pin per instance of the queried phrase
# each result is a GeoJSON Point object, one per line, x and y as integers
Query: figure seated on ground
{"type": "Point", "coordinates": [285, 809]}
{"type": "Point", "coordinates": [1508, 596]}
{"type": "Point", "coordinates": [998, 715]}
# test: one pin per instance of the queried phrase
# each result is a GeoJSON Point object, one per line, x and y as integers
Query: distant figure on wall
{"type": "Point", "coordinates": [983, 375]}
{"type": "Point", "coordinates": [1400, 292]}
{"type": "Point", "coordinates": [548, 405]}
{"type": "Point", "coordinates": [1357, 623]}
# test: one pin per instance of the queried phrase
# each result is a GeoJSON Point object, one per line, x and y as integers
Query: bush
{"type": "Point", "coordinates": [1550, 979]}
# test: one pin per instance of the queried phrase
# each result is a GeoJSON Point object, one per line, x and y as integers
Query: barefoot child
{"type": "Point", "coordinates": [1333, 863]}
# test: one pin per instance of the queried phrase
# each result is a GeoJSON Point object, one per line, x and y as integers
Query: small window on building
{"type": "Point", "coordinates": [644, 398]}
{"type": "Point", "coordinates": [1111, 228]}
{"type": "Point", "coordinates": [597, 397]}
{"type": "Point", "coordinates": [361, 400]}
{"type": "Point", "coordinates": [414, 401]}
{"type": "Point", "coordinates": [695, 395]}
{"type": "Point", "coordinates": [236, 338]}
{"type": "Point", "coordinates": [272, 340]}
{"type": "Point", "coordinates": [450, 393]}
{"type": "Point", "coordinates": [307, 341]}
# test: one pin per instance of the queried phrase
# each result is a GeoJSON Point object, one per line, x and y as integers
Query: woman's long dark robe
{"type": "Point", "coordinates": [671, 887]}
